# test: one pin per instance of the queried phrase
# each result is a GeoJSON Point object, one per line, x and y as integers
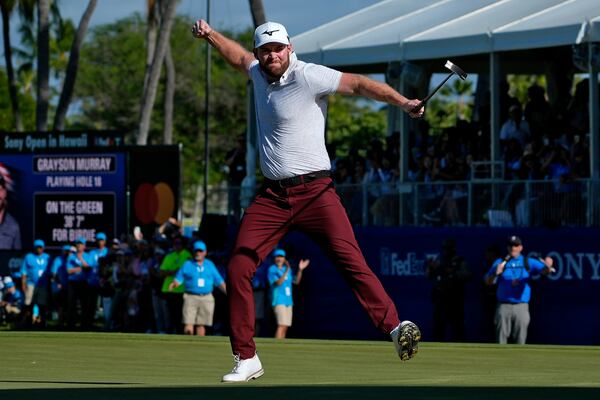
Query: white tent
{"type": "Point", "coordinates": [362, 41]}
{"type": "Point", "coordinates": [409, 30]}
{"type": "Point", "coordinates": [398, 30]}
{"type": "Point", "coordinates": [555, 26]}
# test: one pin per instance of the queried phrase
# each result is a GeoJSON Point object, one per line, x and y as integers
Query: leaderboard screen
{"type": "Point", "coordinates": [60, 197]}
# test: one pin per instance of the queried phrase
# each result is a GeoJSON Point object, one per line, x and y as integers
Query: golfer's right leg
{"type": "Point", "coordinates": [263, 225]}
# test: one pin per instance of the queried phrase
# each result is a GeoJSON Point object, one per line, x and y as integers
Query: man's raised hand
{"type": "Point", "coordinates": [303, 264]}
{"type": "Point", "coordinates": [201, 29]}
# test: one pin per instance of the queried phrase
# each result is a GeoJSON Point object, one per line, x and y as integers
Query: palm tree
{"type": "Point", "coordinates": [71, 75]}
{"type": "Point", "coordinates": [169, 96]}
{"type": "Point", "coordinates": [458, 93]}
{"type": "Point", "coordinates": [149, 96]}
{"type": "Point", "coordinates": [153, 11]}
{"type": "Point", "coordinates": [43, 65]}
{"type": "Point", "coordinates": [7, 7]}
{"type": "Point", "coordinates": [258, 12]}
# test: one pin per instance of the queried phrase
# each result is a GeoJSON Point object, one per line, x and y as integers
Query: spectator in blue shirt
{"type": "Point", "coordinates": [93, 280]}
{"type": "Point", "coordinates": [95, 255]}
{"type": "Point", "coordinates": [78, 263]}
{"type": "Point", "coordinates": [199, 277]}
{"type": "Point", "coordinates": [12, 302]}
{"type": "Point", "coordinates": [35, 273]}
{"type": "Point", "coordinates": [60, 282]}
{"type": "Point", "coordinates": [280, 278]}
{"type": "Point", "coordinates": [512, 274]}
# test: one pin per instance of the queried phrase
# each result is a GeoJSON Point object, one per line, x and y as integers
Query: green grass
{"type": "Point", "coordinates": [48, 365]}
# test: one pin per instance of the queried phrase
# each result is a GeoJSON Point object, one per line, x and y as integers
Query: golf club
{"type": "Point", "coordinates": [454, 69]}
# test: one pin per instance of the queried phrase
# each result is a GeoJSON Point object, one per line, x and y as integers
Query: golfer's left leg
{"type": "Point", "coordinates": [327, 223]}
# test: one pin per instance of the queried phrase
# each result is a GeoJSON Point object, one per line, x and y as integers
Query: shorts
{"type": "Point", "coordinates": [29, 294]}
{"type": "Point", "coordinates": [283, 315]}
{"type": "Point", "coordinates": [198, 310]}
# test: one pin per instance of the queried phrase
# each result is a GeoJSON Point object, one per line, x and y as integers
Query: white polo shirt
{"type": "Point", "coordinates": [291, 116]}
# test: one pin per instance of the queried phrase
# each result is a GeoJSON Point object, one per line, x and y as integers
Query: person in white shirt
{"type": "Point", "coordinates": [291, 105]}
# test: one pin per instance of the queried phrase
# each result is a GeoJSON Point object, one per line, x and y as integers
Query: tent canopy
{"type": "Point", "coordinates": [404, 30]}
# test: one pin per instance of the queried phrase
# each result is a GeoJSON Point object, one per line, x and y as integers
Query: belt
{"type": "Point", "coordinates": [298, 179]}
{"type": "Point", "coordinates": [197, 294]}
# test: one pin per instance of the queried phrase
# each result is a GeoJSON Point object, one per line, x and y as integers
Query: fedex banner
{"type": "Point", "coordinates": [564, 305]}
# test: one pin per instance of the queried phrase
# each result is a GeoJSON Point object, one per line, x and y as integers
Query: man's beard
{"type": "Point", "coordinates": [284, 66]}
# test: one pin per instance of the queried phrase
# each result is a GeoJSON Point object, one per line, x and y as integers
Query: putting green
{"type": "Point", "coordinates": [51, 365]}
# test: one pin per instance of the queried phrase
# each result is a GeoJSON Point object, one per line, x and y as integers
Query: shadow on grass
{"type": "Point", "coordinates": [308, 392]}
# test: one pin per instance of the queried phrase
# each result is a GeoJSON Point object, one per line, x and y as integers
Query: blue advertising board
{"type": "Point", "coordinates": [58, 197]}
{"type": "Point", "coordinates": [564, 306]}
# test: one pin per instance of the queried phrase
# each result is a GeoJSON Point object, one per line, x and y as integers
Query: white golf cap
{"type": "Point", "coordinates": [270, 32]}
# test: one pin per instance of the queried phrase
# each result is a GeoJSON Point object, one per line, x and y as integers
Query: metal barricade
{"type": "Point", "coordinates": [547, 203]}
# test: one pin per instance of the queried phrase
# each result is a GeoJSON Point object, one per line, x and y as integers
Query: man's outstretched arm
{"type": "Point", "coordinates": [359, 85]}
{"type": "Point", "coordinates": [232, 51]}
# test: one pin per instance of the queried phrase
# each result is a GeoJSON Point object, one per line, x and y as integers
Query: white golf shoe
{"type": "Point", "coordinates": [406, 338]}
{"type": "Point", "coordinates": [245, 370]}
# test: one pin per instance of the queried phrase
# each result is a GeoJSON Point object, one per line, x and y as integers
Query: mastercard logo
{"type": "Point", "coordinates": [154, 203]}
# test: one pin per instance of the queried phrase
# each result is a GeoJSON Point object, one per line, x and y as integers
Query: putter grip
{"type": "Point", "coordinates": [417, 107]}
{"type": "Point", "coordinates": [430, 95]}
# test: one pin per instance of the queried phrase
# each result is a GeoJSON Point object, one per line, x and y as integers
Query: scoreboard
{"type": "Point", "coordinates": [59, 197]}
{"type": "Point", "coordinates": [63, 185]}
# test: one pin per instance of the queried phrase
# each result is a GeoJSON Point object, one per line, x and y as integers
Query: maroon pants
{"type": "Point", "coordinates": [315, 209]}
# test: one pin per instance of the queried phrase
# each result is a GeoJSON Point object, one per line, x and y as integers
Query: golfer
{"type": "Point", "coordinates": [291, 105]}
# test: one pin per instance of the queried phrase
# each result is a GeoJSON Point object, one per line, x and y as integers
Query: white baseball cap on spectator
{"type": "Point", "coordinates": [270, 32]}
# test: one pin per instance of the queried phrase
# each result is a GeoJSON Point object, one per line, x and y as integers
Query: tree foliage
{"type": "Point", "coordinates": [26, 107]}
{"type": "Point", "coordinates": [110, 85]}
{"type": "Point", "coordinates": [353, 123]}
{"type": "Point", "coordinates": [519, 84]}
{"type": "Point", "coordinates": [450, 105]}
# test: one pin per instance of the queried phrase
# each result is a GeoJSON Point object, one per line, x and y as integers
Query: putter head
{"type": "Point", "coordinates": [456, 69]}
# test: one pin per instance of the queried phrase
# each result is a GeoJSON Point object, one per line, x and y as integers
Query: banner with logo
{"type": "Point", "coordinates": [563, 306]}
{"type": "Point", "coordinates": [154, 181]}
{"type": "Point", "coordinates": [46, 142]}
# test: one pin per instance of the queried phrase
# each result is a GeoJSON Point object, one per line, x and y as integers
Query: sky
{"type": "Point", "coordinates": [297, 15]}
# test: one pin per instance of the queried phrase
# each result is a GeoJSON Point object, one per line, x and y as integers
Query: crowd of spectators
{"type": "Point", "coordinates": [116, 285]}
{"type": "Point", "coordinates": [536, 143]}
{"type": "Point", "coordinates": [127, 284]}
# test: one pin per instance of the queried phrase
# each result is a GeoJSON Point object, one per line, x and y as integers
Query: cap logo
{"type": "Point", "coordinates": [270, 33]}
